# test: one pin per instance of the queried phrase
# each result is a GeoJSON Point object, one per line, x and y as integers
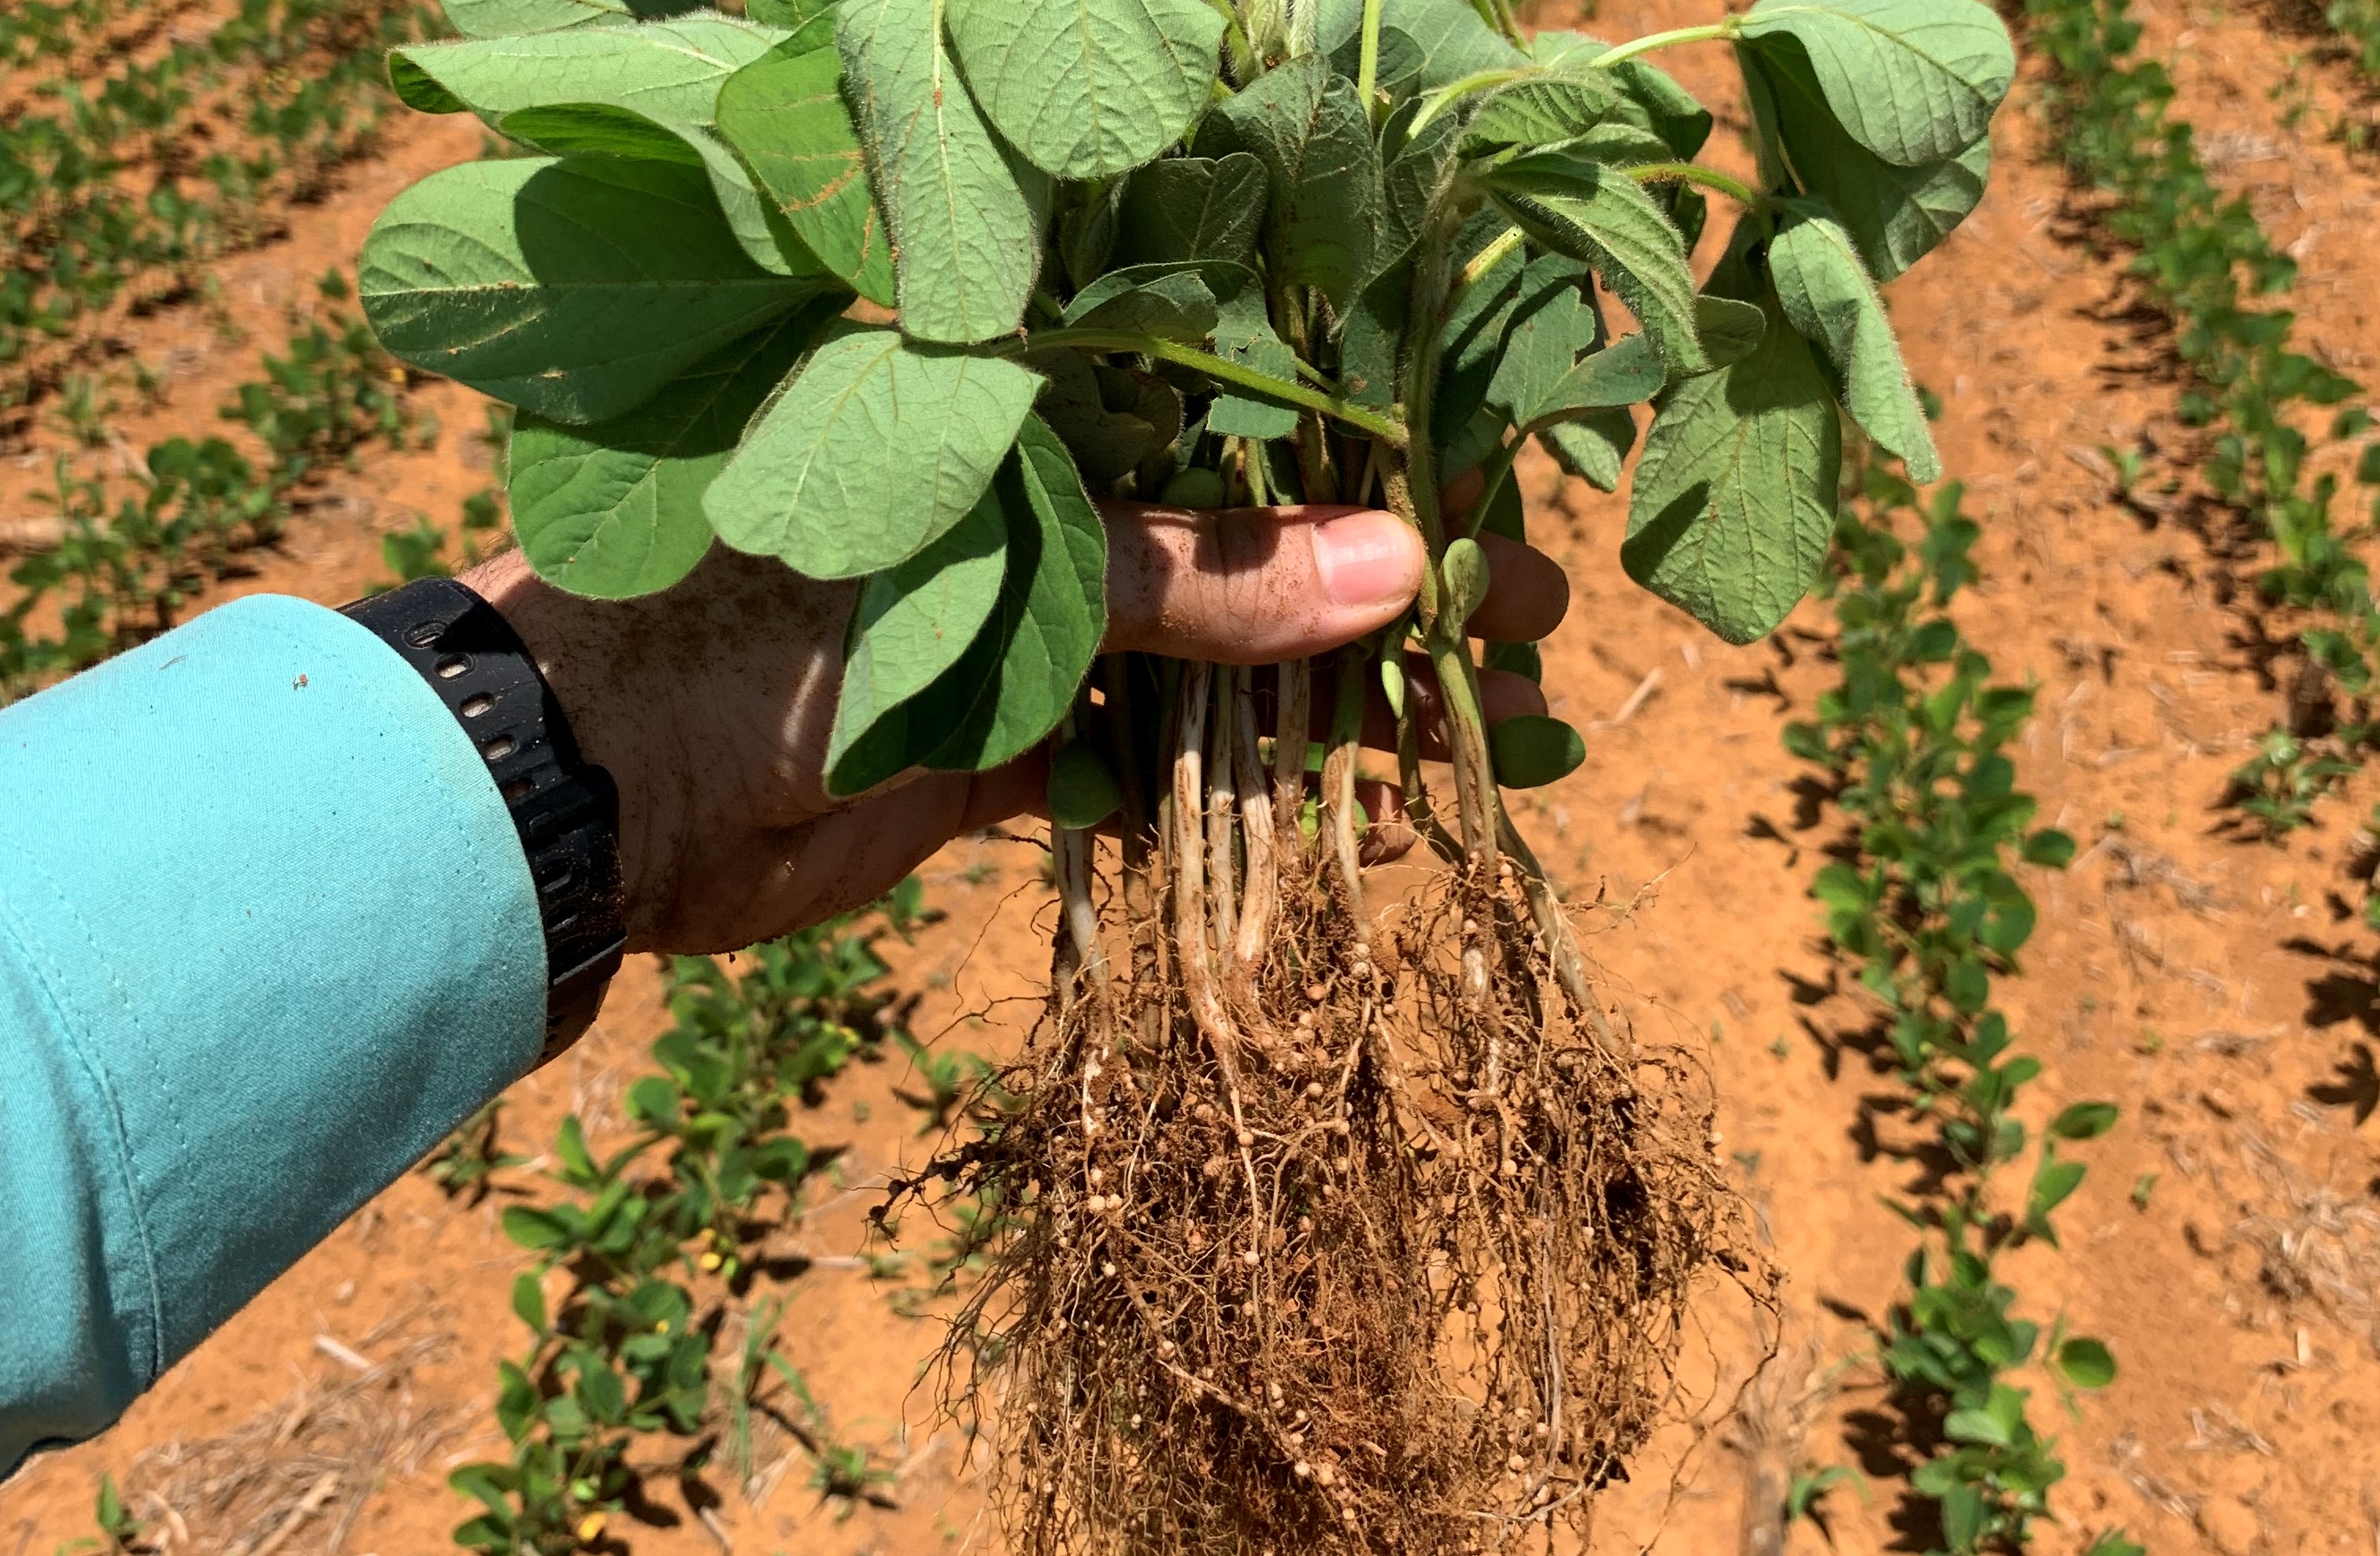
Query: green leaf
{"type": "Point", "coordinates": [1174, 302]}
{"type": "Point", "coordinates": [2052, 848]}
{"type": "Point", "coordinates": [1825, 294]}
{"type": "Point", "coordinates": [1914, 82]}
{"type": "Point", "coordinates": [534, 1229]}
{"type": "Point", "coordinates": [501, 18]}
{"type": "Point", "coordinates": [1088, 88]}
{"type": "Point", "coordinates": [1106, 442]}
{"type": "Point", "coordinates": [669, 70]}
{"type": "Point", "coordinates": [1032, 658]}
{"type": "Point", "coordinates": [1602, 217]}
{"type": "Point", "coordinates": [1734, 501]}
{"type": "Point", "coordinates": [1975, 1426]}
{"type": "Point", "coordinates": [1083, 789]}
{"type": "Point", "coordinates": [607, 129]}
{"type": "Point", "coordinates": [785, 13]}
{"type": "Point", "coordinates": [2085, 1121]}
{"type": "Point", "coordinates": [1897, 215]}
{"type": "Point", "coordinates": [1550, 321]}
{"type": "Point", "coordinates": [529, 1300]}
{"type": "Point", "coordinates": [965, 237]}
{"type": "Point", "coordinates": [913, 621]}
{"type": "Point", "coordinates": [1533, 750]}
{"type": "Point", "coordinates": [1593, 447]}
{"type": "Point", "coordinates": [1244, 333]}
{"type": "Point", "coordinates": [1446, 39]}
{"type": "Point", "coordinates": [812, 483]}
{"type": "Point", "coordinates": [614, 510]}
{"type": "Point", "coordinates": [1730, 330]}
{"type": "Point", "coordinates": [1191, 208]}
{"type": "Point", "coordinates": [786, 115]}
{"type": "Point", "coordinates": [1624, 373]}
{"type": "Point", "coordinates": [2053, 1182]}
{"type": "Point", "coordinates": [571, 289]}
{"type": "Point", "coordinates": [1315, 140]}
{"type": "Point", "coordinates": [1669, 109]}
{"type": "Point", "coordinates": [2086, 1363]}
{"type": "Point", "coordinates": [1539, 110]}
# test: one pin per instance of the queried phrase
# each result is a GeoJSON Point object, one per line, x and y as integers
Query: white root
{"type": "Point", "coordinates": [1260, 896]}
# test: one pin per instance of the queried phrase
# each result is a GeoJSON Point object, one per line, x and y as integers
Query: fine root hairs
{"type": "Point", "coordinates": [1322, 1247]}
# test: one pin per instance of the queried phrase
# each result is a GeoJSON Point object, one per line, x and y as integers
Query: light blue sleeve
{"type": "Point", "coordinates": [266, 933]}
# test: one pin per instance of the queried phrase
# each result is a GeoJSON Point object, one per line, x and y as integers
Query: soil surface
{"type": "Point", "coordinates": [2226, 1243]}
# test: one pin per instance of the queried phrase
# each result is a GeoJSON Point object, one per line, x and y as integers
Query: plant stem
{"type": "Point", "coordinates": [1676, 35]}
{"type": "Point", "coordinates": [1454, 91]}
{"type": "Point", "coordinates": [1387, 428]}
{"type": "Point", "coordinates": [1486, 260]}
{"type": "Point", "coordinates": [1294, 691]}
{"type": "Point", "coordinates": [1413, 491]}
{"type": "Point", "coordinates": [1222, 798]}
{"type": "Point", "coordinates": [1709, 178]}
{"type": "Point", "coordinates": [1339, 773]}
{"type": "Point", "coordinates": [1367, 62]}
{"type": "Point", "coordinates": [1260, 883]}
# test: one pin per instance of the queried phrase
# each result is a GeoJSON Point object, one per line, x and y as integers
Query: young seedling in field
{"type": "Point", "coordinates": [1308, 1229]}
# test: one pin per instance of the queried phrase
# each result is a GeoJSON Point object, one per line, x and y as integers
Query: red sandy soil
{"type": "Point", "coordinates": [2218, 987]}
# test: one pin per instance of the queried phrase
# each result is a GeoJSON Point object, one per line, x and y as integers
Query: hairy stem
{"type": "Point", "coordinates": [1339, 773]}
{"type": "Point", "coordinates": [1071, 852]}
{"type": "Point", "coordinates": [1192, 948]}
{"type": "Point", "coordinates": [1222, 798]}
{"type": "Point", "coordinates": [1294, 687]}
{"type": "Point", "coordinates": [1367, 58]}
{"type": "Point", "coordinates": [1688, 172]}
{"type": "Point", "coordinates": [1387, 428]}
{"type": "Point", "coordinates": [1261, 889]}
{"type": "Point", "coordinates": [1676, 35]}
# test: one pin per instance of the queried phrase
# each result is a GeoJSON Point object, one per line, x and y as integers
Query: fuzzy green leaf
{"type": "Point", "coordinates": [1593, 447]}
{"type": "Point", "coordinates": [786, 115]}
{"type": "Point", "coordinates": [669, 69]}
{"type": "Point", "coordinates": [1088, 88]}
{"type": "Point", "coordinates": [1539, 110]}
{"type": "Point", "coordinates": [1604, 218]}
{"type": "Point", "coordinates": [1032, 656]}
{"type": "Point", "coordinates": [1625, 373]}
{"type": "Point", "coordinates": [614, 510]}
{"type": "Point", "coordinates": [1106, 441]}
{"type": "Point", "coordinates": [965, 235]}
{"type": "Point", "coordinates": [1244, 333]}
{"type": "Point", "coordinates": [1191, 208]}
{"type": "Point", "coordinates": [1826, 296]}
{"type": "Point", "coordinates": [815, 482]}
{"type": "Point", "coordinates": [571, 289]}
{"type": "Point", "coordinates": [1914, 82]}
{"type": "Point", "coordinates": [1552, 321]}
{"type": "Point", "coordinates": [1315, 140]}
{"type": "Point", "coordinates": [912, 623]}
{"type": "Point", "coordinates": [1897, 215]}
{"type": "Point", "coordinates": [1730, 330]}
{"type": "Point", "coordinates": [1734, 501]}
{"type": "Point", "coordinates": [1176, 302]}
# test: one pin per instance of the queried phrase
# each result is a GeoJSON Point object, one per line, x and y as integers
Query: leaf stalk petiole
{"type": "Point", "coordinates": [1676, 35]}
{"type": "Point", "coordinates": [1387, 428]}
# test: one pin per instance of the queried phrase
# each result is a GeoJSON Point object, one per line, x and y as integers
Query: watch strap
{"type": "Point", "coordinates": [565, 809]}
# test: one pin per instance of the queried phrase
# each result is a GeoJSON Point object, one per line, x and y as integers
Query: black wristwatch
{"type": "Point", "coordinates": [566, 809]}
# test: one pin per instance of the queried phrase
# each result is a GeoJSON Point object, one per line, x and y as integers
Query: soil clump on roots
{"type": "Point", "coordinates": [1319, 1230]}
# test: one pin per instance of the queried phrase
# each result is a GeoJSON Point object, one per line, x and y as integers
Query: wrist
{"type": "Point", "coordinates": [588, 652]}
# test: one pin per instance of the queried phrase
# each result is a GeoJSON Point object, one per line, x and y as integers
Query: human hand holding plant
{"type": "Point", "coordinates": [712, 703]}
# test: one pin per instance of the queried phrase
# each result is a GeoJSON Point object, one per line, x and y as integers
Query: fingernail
{"type": "Point", "coordinates": [1367, 559]}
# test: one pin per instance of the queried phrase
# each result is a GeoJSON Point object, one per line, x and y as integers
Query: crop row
{"type": "Point", "coordinates": [1926, 906]}
{"type": "Point", "coordinates": [124, 190]}
{"type": "Point", "coordinates": [120, 568]}
{"type": "Point", "coordinates": [2205, 262]}
{"type": "Point", "coordinates": [642, 1310]}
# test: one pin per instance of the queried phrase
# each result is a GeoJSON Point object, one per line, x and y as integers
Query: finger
{"type": "Point", "coordinates": [1254, 585]}
{"type": "Point", "coordinates": [1456, 496]}
{"type": "Point", "coordinates": [1391, 833]}
{"type": "Point", "coordinates": [1528, 593]}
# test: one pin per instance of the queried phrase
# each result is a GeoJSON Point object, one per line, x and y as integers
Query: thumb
{"type": "Point", "coordinates": [1254, 585]}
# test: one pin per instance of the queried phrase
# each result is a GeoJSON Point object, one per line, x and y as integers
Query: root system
{"type": "Point", "coordinates": [1324, 1230]}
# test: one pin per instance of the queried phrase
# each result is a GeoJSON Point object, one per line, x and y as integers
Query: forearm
{"type": "Point", "coordinates": [265, 933]}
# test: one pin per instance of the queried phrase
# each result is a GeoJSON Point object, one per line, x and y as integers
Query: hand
{"type": "Point", "coordinates": [711, 704]}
